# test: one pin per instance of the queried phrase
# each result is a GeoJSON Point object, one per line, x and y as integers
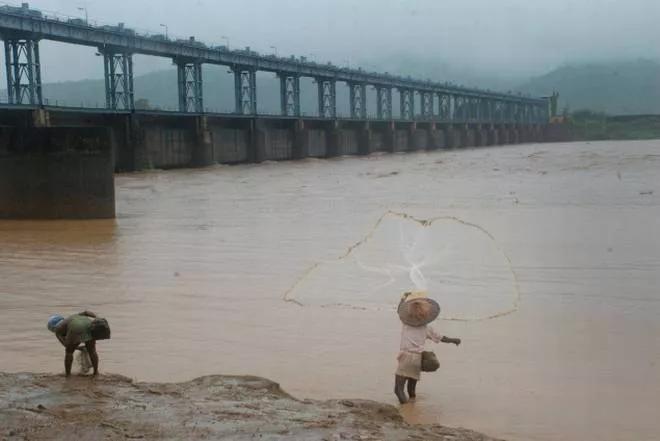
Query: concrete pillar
{"type": "Point", "coordinates": [332, 140]}
{"type": "Point", "coordinates": [364, 140]}
{"type": "Point", "coordinates": [56, 173]}
{"type": "Point", "coordinates": [514, 136]}
{"type": "Point", "coordinates": [451, 141]}
{"type": "Point", "coordinates": [467, 137]}
{"type": "Point", "coordinates": [203, 154]}
{"type": "Point", "coordinates": [492, 136]}
{"type": "Point", "coordinates": [479, 136]}
{"type": "Point", "coordinates": [300, 140]}
{"type": "Point", "coordinates": [127, 139]}
{"type": "Point", "coordinates": [257, 141]}
{"type": "Point", "coordinates": [40, 118]}
{"type": "Point", "coordinates": [436, 138]}
{"type": "Point", "coordinates": [540, 134]}
{"type": "Point", "coordinates": [389, 138]}
{"type": "Point", "coordinates": [504, 136]}
{"type": "Point", "coordinates": [412, 129]}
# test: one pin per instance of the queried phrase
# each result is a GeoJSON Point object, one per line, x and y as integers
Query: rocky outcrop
{"type": "Point", "coordinates": [46, 407]}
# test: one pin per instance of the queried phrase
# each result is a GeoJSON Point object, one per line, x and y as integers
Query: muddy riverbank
{"type": "Point", "coordinates": [39, 407]}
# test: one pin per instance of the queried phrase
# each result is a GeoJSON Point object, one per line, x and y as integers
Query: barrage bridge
{"type": "Point", "coordinates": [127, 139]}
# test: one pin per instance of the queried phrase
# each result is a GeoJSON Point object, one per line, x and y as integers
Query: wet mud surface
{"type": "Point", "coordinates": [39, 407]}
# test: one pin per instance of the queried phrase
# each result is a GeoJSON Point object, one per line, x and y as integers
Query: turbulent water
{"type": "Point", "coordinates": [192, 273]}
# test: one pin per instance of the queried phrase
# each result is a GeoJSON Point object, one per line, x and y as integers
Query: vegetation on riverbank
{"type": "Point", "coordinates": [587, 125]}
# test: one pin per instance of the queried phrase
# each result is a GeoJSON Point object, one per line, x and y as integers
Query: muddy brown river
{"type": "Point", "coordinates": [192, 273]}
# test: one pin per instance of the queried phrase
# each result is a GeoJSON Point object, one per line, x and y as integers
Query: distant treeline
{"type": "Point", "coordinates": [587, 125]}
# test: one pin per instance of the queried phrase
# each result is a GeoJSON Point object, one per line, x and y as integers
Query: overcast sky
{"type": "Point", "coordinates": [500, 36]}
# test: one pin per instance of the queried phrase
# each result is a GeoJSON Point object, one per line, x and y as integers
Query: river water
{"type": "Point", "coordinates": [191, 277]}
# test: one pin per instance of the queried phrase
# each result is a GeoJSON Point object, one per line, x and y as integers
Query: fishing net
{"type": "Point", "coordinates": [458, 263]}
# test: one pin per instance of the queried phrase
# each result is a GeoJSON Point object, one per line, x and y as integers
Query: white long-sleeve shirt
{"type": "Point", "coordinates": [413, 338]}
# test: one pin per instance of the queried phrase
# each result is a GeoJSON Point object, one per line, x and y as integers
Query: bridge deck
{"type": "Point", "coordinates": [17, 22]}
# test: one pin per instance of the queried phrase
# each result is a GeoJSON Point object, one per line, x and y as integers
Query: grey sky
{"type": "Point", "coordinates": [500, 36]}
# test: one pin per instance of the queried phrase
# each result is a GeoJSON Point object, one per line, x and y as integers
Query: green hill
{"type": "Point", "coordinates": [615, 88]}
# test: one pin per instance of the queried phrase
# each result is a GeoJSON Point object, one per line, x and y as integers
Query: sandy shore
{"type": "Point", "coordinates": [50, 407]}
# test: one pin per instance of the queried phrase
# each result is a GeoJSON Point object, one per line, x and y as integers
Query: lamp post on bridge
{"type": "Point", "coordinates": [84, 8]}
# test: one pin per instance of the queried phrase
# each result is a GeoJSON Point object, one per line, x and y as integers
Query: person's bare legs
{"type": "Point", "coordinates": [399, 383]}
{"type": "Point", "coordinates": [91, 350]}
{"type": "Point", "coordinates": [412, 384]}
{"type": "Point", "coordinates": [68, 359]}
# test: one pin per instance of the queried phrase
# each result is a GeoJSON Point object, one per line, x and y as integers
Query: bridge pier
{"type": "Point", "coordinates": [493, 136]}
{"type": "Point", "coordinates": [436, 138]}
{"type": "Point", "coordinates": [23, 65]}
{"type": "Point", "coordinates": [202, 154]}
{"type": "Point", "coordinates": [479, 136]}
{"type": "Point", "coordinates": [406, 104]}
{"type": "Point", "coordinates": [289, 95]}
{"type": "Point", "coordinates": [365, 140]}
{"type": "Point", "coordinates": [56, 173]}
{"type": "Point", "coordinates": [118, 69]}
{"type": "Point", "coordinates": [245, 90]}
{"type": "Point", "coordinates": [332, 139]}
{"type": "Point", "coordinates": [301, 140]}
{"type": "Point", "coordinates": [129, 145]}
{"type": "Point", "coordinates": [327, 97]}
{"type": "Point", "coordinates": [358, 100]}
{"type": "Point", "coordinates": [383, 103]}
{"type": "Point", "coordinates": [514, 135]}
{"type": "Point", "coordinates": [503, 135]}
{"type": "Point", "coordinates": [191, 96]}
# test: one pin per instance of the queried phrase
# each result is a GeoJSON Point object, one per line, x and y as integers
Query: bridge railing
{"type": "Point", "coordinates": [341, 116]}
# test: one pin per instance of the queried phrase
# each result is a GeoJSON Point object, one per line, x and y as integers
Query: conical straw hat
{"type": "Point", "coordinates": [417, 309]}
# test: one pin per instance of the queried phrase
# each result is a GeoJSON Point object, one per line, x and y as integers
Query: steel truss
{"type": "Point", "coordinates": [23, 71]}
{"type": "Point", "coordinates": [118, 67]}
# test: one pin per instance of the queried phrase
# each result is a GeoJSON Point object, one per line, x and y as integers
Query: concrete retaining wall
{"type": "Point", "coordinates": [229, 145]}
{"type": "Point", "coordinates": [56, 173]}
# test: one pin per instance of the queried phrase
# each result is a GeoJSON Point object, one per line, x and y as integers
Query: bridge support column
{"type": "Point", "coordinates": [245, 90]}
{"type": "Point", "coordinates": [118, 67]}
{"type": "Point", "coordinates": [289, 95]}
{"type": "Point", "coordinates": [407, 104]}
{"type": "Point", "coordinates": [257, 141]}
{"type": "Point", "coordinates": [56, 173]}
{"type": "Point", "coordinates": [493, 136]}
{"type": "Point", "coordinates": [383, 102]}
{"type": "Point", "coordinates": [411, 133]}
{"type": "Point", "coordinates": [389, 137]}
{"type": "Point", "coordinates": [300, 140]}
{"type": "Point", "coordinates": [129, 145]}
{"type": "Point", "coordinates": [23, 66]}
{"type": "Point", "coordinates": [541, 133]}
{"type": "Point", "coordinates": [479, 136]}
{"type": "Point", "coordinates": [452, 140]}
{"type": "Point", "coordinates": [203, 154]}
{"type": "Point", "coordinates": [332, 139]}
{"type": "Point", "coordinates": [327, 97]}
{"type": "Point", "coordinates": [436, 138]}
{"type": "Point", "coordinates": [427, 105]}
{"type": "Point", "coordinates": [505, 135]}
{"type": "Point", "coordinates": [514, 135]}
{"type": "Point", "coordinates": [358, 100]}
{"type": "Point", "coordinates": [365, 140]}
{"type": "Point", "coordinates": [191, 98]}
{"type": "Point", "coordinates": [444, 107]}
